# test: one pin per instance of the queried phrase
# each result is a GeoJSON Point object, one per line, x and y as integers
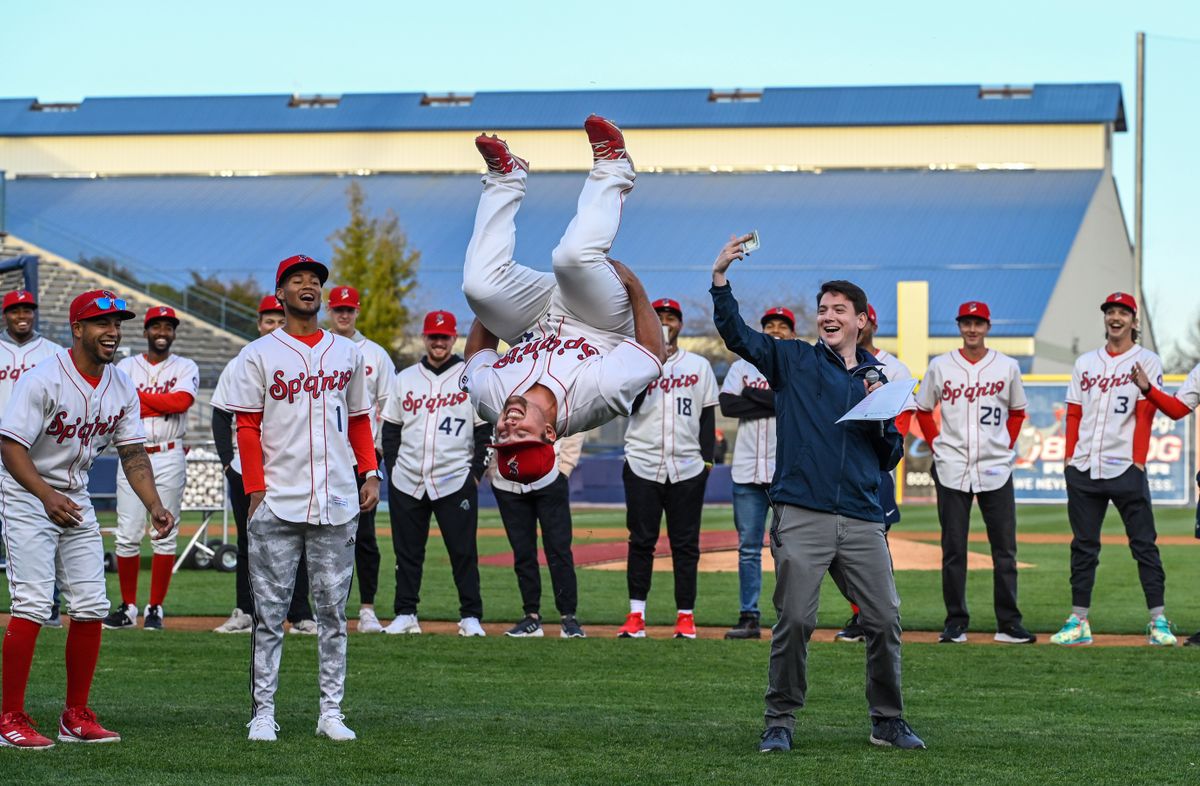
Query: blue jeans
{"type": "Point", "coordinates": [750, 508]}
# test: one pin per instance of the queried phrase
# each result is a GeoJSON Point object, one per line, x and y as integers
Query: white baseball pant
{"type": "Point", "coordinates": [170, 476]}
{"type": "Point", "coordinates": [510, 298]}
{"type": "Point", "coordinates": [41, 553]}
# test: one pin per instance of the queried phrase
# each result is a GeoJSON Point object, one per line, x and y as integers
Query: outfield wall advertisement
{"type": "Point", "coordinates": [1041, 448]}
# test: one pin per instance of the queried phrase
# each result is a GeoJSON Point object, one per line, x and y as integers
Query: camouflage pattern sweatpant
{"type": "Point", "coordinates": [274, 549]}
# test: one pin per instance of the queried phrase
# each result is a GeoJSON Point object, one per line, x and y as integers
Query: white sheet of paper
{"type": "Point", "coordinates": [884, 404]}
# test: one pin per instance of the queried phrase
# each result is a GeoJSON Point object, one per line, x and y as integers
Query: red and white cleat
{"type": "Point", "coordinates": [634, 627]}
{"type": "Point", "coordinates": [499, 159]}
{"type": "Point", "coordinates": [16, 731]}
{"type": "Point", "coordinates": [608, 143]}
{"type": "Point", "coordinates": [685, 626]}
{"type": "Point", "coordinates": [79, 724]}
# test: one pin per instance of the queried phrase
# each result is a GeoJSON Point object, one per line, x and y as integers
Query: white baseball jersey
{"type": "Point", "coordinates": [591, 387]}
{"type": "Point", "coordinates": [66, 423]}
{"type": "Point", "coordinates": [895, 371]}
{"type": "Point", "coordinates": [971, 451]}
{"type": "Point", "coordinates": [438, 430]}
{"type": "Point", "coordinates": [176, 374]}
{"type": "Point", "coordinates": [1189, 392]}
{"type": "Point", "coordinates": [306, 396]}
{"type": "Point", "coordinates": [16, 359]}
{"type": "Point", "coordinates": [220, 400]}
{"type": "Point", "coordinates": [1103, 386]}
{"type": "Point", "coordinates": [380, 372]}
{"type": "Point", "coordinates": [754, 448]}
{"type": "Point", "coordinates": [662, 441]}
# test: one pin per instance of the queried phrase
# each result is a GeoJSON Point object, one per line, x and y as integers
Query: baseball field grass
{"type": "Point", "coordinates": [440, 709]}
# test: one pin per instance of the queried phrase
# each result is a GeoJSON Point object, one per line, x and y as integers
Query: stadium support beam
{"type": "Point", "coordinates": [912, 325]}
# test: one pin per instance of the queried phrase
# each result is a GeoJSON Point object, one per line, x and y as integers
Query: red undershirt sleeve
{"type": "Point", "coordinates": [249, 440]}
{"type": "Point", "coordinates": [1074, 415]}
{"type": "Point", "coordinates": [1171, 406]}
{"type": "Point", "coordinates": [904, 422]}
{"type": "Point", "coordinates": [361, 442]}
{"type": "Point", "coordinates": [1015, 418]}
{"type": "Point", "coordinates": [166, 403]}
{"type": "Point", "coordinates": [1141, 430]}
{"type": "Point", "coordinates": [928, 426]}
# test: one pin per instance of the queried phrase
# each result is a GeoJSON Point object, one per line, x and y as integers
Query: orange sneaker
{"type": "Point", "coordinates": [685, 626]}
{"type": "Point", "coordinates": [79, 724]}
{"type": "Point", "coordinates": [634, 627]}
{"type": "Point", "coordinates": [16, 731]}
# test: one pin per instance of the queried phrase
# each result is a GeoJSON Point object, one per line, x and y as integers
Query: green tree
{"type": "Point", "coordinates": [372, 255]}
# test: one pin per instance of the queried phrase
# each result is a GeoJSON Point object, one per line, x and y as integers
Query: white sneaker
{"type": "Point", "coordinates": [330, 725]}
{"type": "Point", "coordinates": [368, 622]}
{"type": "Point", "coordinates": [238, 622]}
{"type": "Point", "coordinates": [262, 728]}
{"type": "Point", "coordinates": [469, 626]}
{"type": "Point", "coordinates": [404, 623]}
{"type": "Point", "coordinates": [305, 627]}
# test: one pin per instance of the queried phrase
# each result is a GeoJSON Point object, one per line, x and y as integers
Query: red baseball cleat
{"type": "Point", "coordinates": [79, 724]}
{"type": "Point", "coordinates": [500, 160]}
{"type": "Point", "coordinates": [634, 627]}
{"type": "Point", "coordinates": [608, 143]}
{"type": "Point", "coordinates": [685, 626]}
{"type": "Point", "coordinates": [16, 731]}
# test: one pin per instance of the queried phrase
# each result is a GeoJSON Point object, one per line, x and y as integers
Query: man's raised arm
{"type": "Point", "coordinates": [480, 338]}
{"type": "Point", "coordinates": [758, 348]}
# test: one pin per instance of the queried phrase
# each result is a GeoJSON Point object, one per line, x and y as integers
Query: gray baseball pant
{"type": "Point", "coordinates": [806, 544]}
{"type": "Point", "coordinates": [275, 550]}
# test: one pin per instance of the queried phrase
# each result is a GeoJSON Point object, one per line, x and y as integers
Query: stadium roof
{"type": "Point", "coordinates": [1000, 236]}
{"type": "Point", "coordinates": [694, 108]}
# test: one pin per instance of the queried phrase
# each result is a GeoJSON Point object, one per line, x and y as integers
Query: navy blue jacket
{"type": "Point", "coordinates": [819, 464]}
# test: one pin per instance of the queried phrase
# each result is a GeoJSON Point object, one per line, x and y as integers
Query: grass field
{"type": "Point", "coordinates": [439, 709]}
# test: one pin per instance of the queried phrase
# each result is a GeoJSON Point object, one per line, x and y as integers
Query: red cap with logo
{"type": "Point", "coordinates": [440, 323]}
{"type": "Point", "coordinates": [779, 312]}
{"type": "Point", "coordinates": [667, 304]}
{"type": "Point", "coordinates": [1120, 299]}
{"type": "Point", "coordinates": [98, 303]}
{"type": "Point", "coordinates": [300, 262]}
{"type": "Point", "coordinates": [161, 312]}
{"type": "Point", "coordinates": [343, 297]}
{"type": "Point", "coordinates": [872, 317]}
{"type": "Point", "coordinates": [19, 297]}
{"type": "Point", "coordinates": [975, 309]}
{"type": "Point", "coordinates": [524, 461]}
{"type": "Point", "coordinates": [269, 303]}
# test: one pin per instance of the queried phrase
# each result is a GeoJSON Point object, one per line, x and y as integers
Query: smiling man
{"type": "Point", "coordinates": [825, 493]}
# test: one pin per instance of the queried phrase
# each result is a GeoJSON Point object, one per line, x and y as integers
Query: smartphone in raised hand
{"type": "Point", "coordinates": [752, 244]}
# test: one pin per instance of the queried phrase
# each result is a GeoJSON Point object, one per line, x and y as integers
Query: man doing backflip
{"type": "Point", "coordinates": [62, 415]}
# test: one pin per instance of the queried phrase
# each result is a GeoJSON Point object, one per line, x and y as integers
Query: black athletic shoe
{"type": "Point", "coordinates": [571, 629]}
{"type": "Point", "coordinates": [1193, 640]}
{"type": "Point", "coordinates": [153, 618]}
{"type": "Point", "coordinates": [124, 617]}
{"type": "Point", "coordinates": [530, 627]}
{"type": "Point", "coordinates": [953, 634]}
{"type": "Point", "coordinates": [746, 627]}
{"type": "Point", "coordinates": [1014, 634]}
{"type": "Point", "coordinates": [852, 632]}
{"type": "Point", "coordinates": [55, 619]}
{"type": "Point", "coordinates": [776, 739]}
{"type": "Point", "coordinates": [895, 733]}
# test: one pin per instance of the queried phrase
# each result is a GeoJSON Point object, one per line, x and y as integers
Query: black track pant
{"type": "Point", "coordinates": [366, 554]}
{"type": "Point", "coordinates": [458, 520]}
{"type": "Point", "coordinates": [645, 503]}
{"type": "Point", "coordinates": [999, 509]}
{"type": "Point", "coordinates": [1087, 502]}
{"type": "Point", "coordinates": [521, 514]}
{"type": "Point", "coordinates": [240, 502]}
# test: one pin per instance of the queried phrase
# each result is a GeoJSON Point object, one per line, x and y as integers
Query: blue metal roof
{"type": "Point", "coordinates": [996, 236]}
{"type": "Point", "coordinates": [782, 106]}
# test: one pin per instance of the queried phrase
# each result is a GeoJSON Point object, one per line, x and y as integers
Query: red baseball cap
{"type": "Point", "coordinates": [1115, 299]}
{"type": "Point", "coordinates": [524, 461]}
{"type": "Point", "coordinates": [269, 303]}
{"type": "Point", "coordinates": [779, 312]}
{"type": "Point", "coordinates": [667, 304]}
{"type": "Point", "coordinates": [300, 262]}
{"type": "Point", "coordinates": [161, 312]}
{"type": "Point", "coordinates": [19, 297]}
{"type": "Point", "coordinates": [98, 303]}
{"type": "Point", "coordinates": [440, 323]}
{"type": "Point", "coordinates": [872, 317]}
{"type": "Point", "coordinates": [976, 309]}
{"type": "Point", "coordinates": [343, 297]}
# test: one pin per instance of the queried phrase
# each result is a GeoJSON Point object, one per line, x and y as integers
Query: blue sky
{"type": "Point", "coordinates": [58, 50]}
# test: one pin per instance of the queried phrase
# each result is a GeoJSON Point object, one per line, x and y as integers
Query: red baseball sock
{"type": "Point", "coordinates": [127, 572]}
{"type": "Point", "coordinates": [160, 577]}
{"type": "Point", "coordinates": [83, 648]}
{"type": "Point", "coordinates": [19, 641]}
{"type": "Point", "coordinates": [854, 609]}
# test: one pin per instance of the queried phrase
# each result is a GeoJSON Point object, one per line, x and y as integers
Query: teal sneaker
{"type": "Point", "coordinates": [1161, 632]}
{"type": "Point", "coordinates": [1074, 632]}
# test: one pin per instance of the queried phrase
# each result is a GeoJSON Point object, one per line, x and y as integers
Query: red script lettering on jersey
{"type": "Point", "coordinates": [162, 387]}
{"type": "Point", "coordinates": [13, 372]}
{"type": "Point", "coordinates": [62, 430]}
{"type": "Point", "coordinates": [760, 384]}
{"type": "Point", "coordinates": [554, 344]}
{"type": "Point", "coordinates": [312, 384]}
{"type": "Point", "coordinates": [1104, 382]}
{"type": "Point", "coordinates": [673, 382]}
{"type": "Point", "coordinates": [413, 403]}
{"type": "Point", "coordinates": [952, 393]}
